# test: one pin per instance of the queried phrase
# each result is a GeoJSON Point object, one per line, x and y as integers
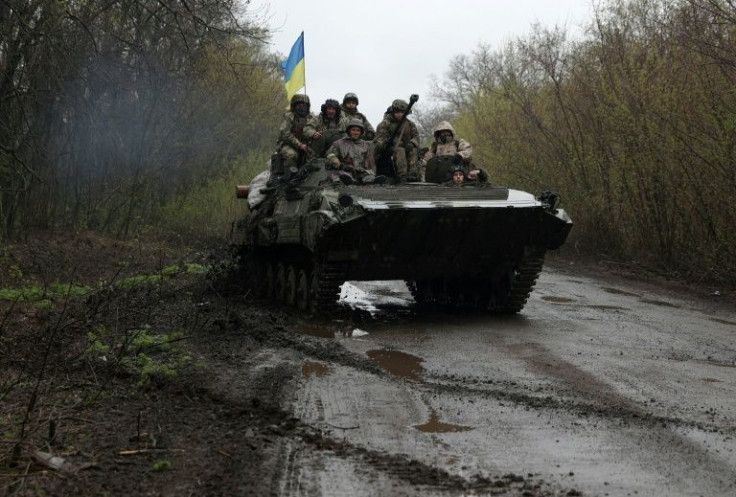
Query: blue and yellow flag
{"type": "Point", "coordinates": [294, 74]}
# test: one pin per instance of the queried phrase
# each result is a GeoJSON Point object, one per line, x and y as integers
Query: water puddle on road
{"type": "Point", "coordinates": [310, 368]}
{"type": "Point", "coordinates": [557, 300]}
{"type": "Point", "coordinates": [398, 363]}
{"type": "Point", "coordinates": [315, 331]}
{"type": "Point", "coordinates": [434, 425]}
{"type": "Point", "coordinates": [659, 303]}
{"type": "Point", "coordinates": [616, 291]}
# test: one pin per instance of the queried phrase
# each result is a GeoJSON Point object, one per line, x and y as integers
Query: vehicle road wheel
{"type": "Point", "coordinates": [269, 282]}
{"type": "Point", "coordinates": [313, 299]}
{"type": "Point", "coordinates": [279, 293]}
{"type": "Point", "coordinates": [290, 293]}
{"type": "Point", "coordinates": [302, 291]}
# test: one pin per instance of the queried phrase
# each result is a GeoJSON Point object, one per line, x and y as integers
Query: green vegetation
{"type": "Point", "coordinates": [35, 293]}
{"type": "Point", "coordinates": [59, 290]}
{"type": "Point", "coordinates": [162, 465]}
{"type": "Point", "coordinates": [149, 357]}
{"type": "Point", "coordinates": [634, 124]}
{"type": "Point", "coordinates": [208, 209]}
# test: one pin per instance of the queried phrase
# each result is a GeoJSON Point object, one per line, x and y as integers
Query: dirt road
{"type": "Point", "coordinates": [600, 387]}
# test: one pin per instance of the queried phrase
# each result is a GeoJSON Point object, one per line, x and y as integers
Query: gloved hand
{"type": "Point", "coordinates": [332, 162]}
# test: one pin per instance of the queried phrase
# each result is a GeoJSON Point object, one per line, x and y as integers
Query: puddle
{"type": "Point", "coordinates": [557, 300]}
{"type": "Point", "coordinates": [659, 303]}
{"type": "Point", "coordinates": [318, 369]}
{"type": "Point", "coordinates": [616, 291]}
{"type": "Point", "coordinates": [434, 425]}
{"type": "Point", "coordinates": [398, 363]}
{"type": "Point", "coordinates": [607, 307]}
{"type": "Point", "coordinates": [723, 321]}
{"type": "Point", "coordinates": [315, 331]}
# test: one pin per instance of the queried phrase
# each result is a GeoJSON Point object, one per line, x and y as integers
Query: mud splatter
{"type": "Point", "coordinates": [723, 321]}
{"type": "Point", "coordinates": [718, 364]}
{"type": "Point", "coordinates": [659, 303]}
{"type": "Point", "coordinates": [310, 368]}
{"type": "Point", "coordinates": [315, 331]}
{"type": "Point", "coordinates": [616, 291]}
{"type": "Point", "coordinates": [607, 308]}
{"type": "Point", "coordinates": [398, 363]}
{"type": "Point", "coordinates": [557, 300]}
{"type": "Point", "coordinates": [434, 425]}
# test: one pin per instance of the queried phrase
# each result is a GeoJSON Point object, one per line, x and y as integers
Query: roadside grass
{"type": "Point", "coordinates": [68, 347]}
{"type": "Point", "coordinates": [206, 211]}
{"type": "Point", "coordinates": [46, 296]}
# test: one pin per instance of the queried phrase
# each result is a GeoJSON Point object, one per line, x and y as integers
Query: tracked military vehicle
{"type": "Point", "coordinates": [473, 246]}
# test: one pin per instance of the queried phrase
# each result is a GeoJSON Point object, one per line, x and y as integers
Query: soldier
{"type": "Point", "coordinates": [353, 156]}
{"type": "Point", "coordinates": [458, 177]}
{"type": "Point", "coordinates": [445, 144]}
{"type": "Point", "coordinates": [350, 111]}
{"type": "Point", "coordinates": [326, 128]}
{"type": "Point", "coordinates": [291, 145]}
{"type": "Point", "coordinates": [405, 142]}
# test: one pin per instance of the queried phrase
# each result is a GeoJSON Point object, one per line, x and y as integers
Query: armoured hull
{"type": "Point", "coordinates": [470, 246]}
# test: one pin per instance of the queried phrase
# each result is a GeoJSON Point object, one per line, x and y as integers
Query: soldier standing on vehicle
{"type": "Point", "coordinates": [292, 144]}
{"type": "Point", "coordinates": [326, 128]}
{"type": "Point", "coordinates": [353, 157]}
{"type": "Point", "coordinates": [405, 141]}
{"type": "Point", "coordinates": [350, 111]}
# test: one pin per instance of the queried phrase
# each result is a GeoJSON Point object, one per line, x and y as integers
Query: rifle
{"type": "Point", "coordinates": [387, 154]}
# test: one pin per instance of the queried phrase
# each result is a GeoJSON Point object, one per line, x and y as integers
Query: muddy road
{"type": "Point", "coordinates": [600, 387]}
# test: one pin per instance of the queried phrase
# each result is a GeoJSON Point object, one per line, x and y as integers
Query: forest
{"type": "Point", "coordinates": [139, 116]}
{"type": "Point", "coordinates": [634, 124]}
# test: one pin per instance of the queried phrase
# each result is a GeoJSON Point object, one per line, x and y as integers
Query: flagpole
{"type": "Point", "coordinates": [305, 63]}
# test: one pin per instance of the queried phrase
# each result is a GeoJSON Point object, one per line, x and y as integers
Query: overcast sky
{"type": "Point", "coordinates": [386, 49]}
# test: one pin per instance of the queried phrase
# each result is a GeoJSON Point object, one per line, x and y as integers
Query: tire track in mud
{"type": "Point", "coordinates": [292, 430]}
{"type": "Point", "coordinates": [599, 400]}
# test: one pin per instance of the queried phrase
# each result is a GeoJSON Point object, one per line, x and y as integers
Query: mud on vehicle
{"type": "Point", "coordinates": [474, 246]}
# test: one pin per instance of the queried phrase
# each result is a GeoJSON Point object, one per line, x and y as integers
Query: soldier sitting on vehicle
{"type": "Point", "coordinates": [326, 128]}
{"type": "Point", "coordinates": [405, 140]}
{"type": "Point", "coordinates": [353, 157]}
{"type": "Point", "coordinates": [292, 147]}
{"type": "Point", "coordinates": [451, 151]}
{"type": "Point", "coordinates": [446, 145]}
{"type": "Point", "coordinates": [350, 111]}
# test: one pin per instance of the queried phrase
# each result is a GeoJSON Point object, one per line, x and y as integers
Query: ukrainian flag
{"type": "Point", "coordinates": [294, 74]}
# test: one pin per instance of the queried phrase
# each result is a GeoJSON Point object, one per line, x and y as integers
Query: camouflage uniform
{"type": "Point", "coordinates": [458, 148]}
{"type": "Point", "coordinates": [353, 155]}
{"type": "Point", "coordinates": [291, 133]}
{"type": "Point", "coordinates": [406, 140]}
{"type": "Point", "coordinates": [368, 133]}
{"type": "Point", "coordinates": [331, 129]}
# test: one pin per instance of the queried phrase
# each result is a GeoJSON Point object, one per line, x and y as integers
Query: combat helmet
{"type": "Point", "coordinates": [350, 96]}
{"type": "Point", "coordinates": [353, 123]}
{"type": "Point", "coordinates": [400, 105]}
{"type": "Point", "coordinates": [299, 98]}
{"type": "Point", "coordinates": [331, 103]}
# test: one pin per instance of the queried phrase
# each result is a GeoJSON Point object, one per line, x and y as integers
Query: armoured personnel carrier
{"type": "Point", "coordinates": [473, 246]}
